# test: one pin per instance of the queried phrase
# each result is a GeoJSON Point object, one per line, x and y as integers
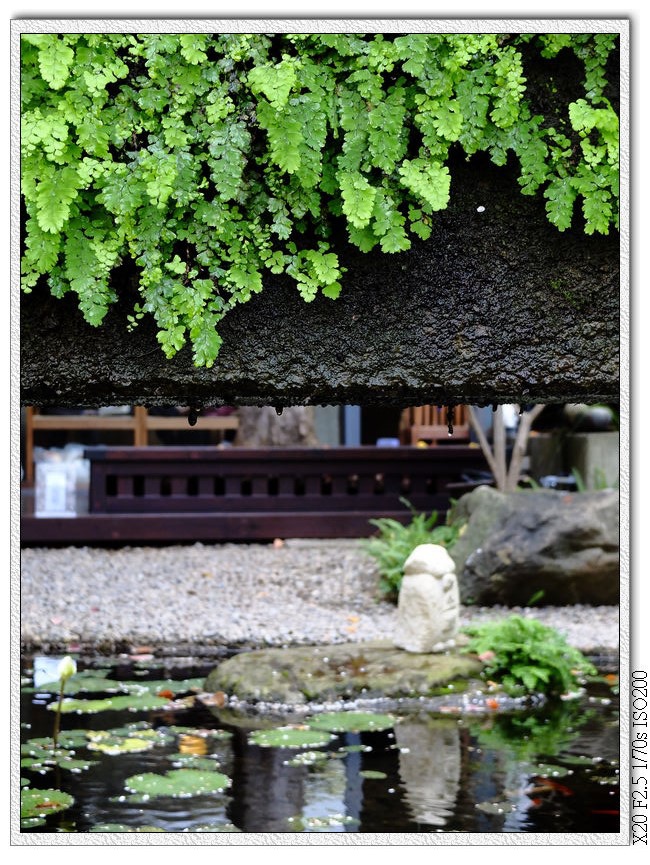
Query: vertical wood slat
{"type": "Point", "coordinates": [152, 486]}
{"type": "Point", "coordinates": [431, 422]}
{"type": "Point", "coordinates": [179, 486]}
{"type": "Point", "coordinates": [125, 486]}
{"type": "Point", "coordinates": [285, 485]}
{"type": "Point", "coordinates": [206, 486]}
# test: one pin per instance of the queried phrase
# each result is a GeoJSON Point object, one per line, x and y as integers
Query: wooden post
{"type": "Point", "coordinates": [140, 428]}
{"type": "Point", "coordinates": [29, 445]}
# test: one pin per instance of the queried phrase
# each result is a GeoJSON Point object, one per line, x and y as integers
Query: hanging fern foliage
{"type": "Point", "coordinates": [209, 160]}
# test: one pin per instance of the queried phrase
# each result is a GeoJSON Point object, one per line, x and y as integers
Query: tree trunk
{"type": "Point", "coordinates": [521, 446]}
{"type": "Point", "coordinates": [506, 478]}
{"type": "Point", "coordinates": [266, 427]}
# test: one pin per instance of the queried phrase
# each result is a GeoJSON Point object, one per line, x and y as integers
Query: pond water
{"type": "Point", "coordinates": [551, 770]}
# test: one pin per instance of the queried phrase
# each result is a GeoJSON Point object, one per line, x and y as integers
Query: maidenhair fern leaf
{"type": "Point", "coordinates": [560, 195]}
{"type": "Point", "coordinates": [358, 198]}
{"type": "Point", "coordinates": [429, 181]}
{"type": "Point", "coordinates": [54, 195]}
{"type": "Point", "coordinates": [54, 60]}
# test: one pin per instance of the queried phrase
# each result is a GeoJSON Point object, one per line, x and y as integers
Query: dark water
{"type": "Point", "coordinates": [554, 770]}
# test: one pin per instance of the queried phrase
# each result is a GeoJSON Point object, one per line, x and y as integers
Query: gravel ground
{"type": "Point", "coordinates": [202, 598]}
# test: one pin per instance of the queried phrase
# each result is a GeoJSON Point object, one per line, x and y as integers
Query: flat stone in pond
{"type": "Point", "coordinates": [303, 674]}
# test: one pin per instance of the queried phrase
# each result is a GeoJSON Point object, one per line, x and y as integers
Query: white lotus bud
{"type": "Point", "coordinates": [67, 667]}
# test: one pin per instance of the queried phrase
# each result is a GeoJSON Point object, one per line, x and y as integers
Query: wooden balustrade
{"type": "Point", "coordinates": [140, 494]}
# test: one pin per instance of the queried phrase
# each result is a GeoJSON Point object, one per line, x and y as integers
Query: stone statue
{"type": "Point", "coordinates": [428, 602]}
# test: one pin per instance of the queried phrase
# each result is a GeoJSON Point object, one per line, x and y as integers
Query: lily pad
{"type": "Point", "coordinates": [67, 740]}
{"type": "Point", "coordinates": [307, 758]}
{"type": "Point", "coordinates": [373, 774]}
{"type": "Point", "coordinates": [290, 737]}
{"type": "Point", "coordinates": [551, 770]}
{"type": "Point", "coordinates": [39, 755]}
{"type": "Point", "coordinates": [126, 702]}
{"type": "Point", "coordinates": [192, 761]}
{"type": "Point", "coordinates": [35, 805]}
{"type": "Point", "coordinates": [85, 684]}
{"type": "Point", "coordinates": [320, 824]}
{"type": "Point", "coordinates": [117, 745]}
{"type": "Point", "coordinates": [504, 807]}
{"type": "Point", "coordinates": [46, 764]}
{"type": "Point", "coordinates": [200, 731]}
{"type": "Point", "coordinates": [177, 783]}
{"type": "Point", "coordinates": [130, 739]}
{"type": "Point", "coordinates": [355, 749]}
{"type": "Point", "coordinates": [121, 827]}
{"type": "Point", "coordinates": [577, 760]}
{"type": "Point", "coordinates": [351, 722]}
{"type": "Point", "coordinates": [177, 687]}
{"type": "Point", "coordinates": [213, 827]}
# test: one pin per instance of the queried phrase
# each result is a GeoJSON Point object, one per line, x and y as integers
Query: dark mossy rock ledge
{"type": "Point", "coordinates": [300, 675]}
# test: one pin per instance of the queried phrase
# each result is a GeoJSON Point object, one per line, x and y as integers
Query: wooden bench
{"type": "Point", "coordinates": [139, 424]}
{"type": "Point", "coordinates": [172, 494]}
{"type": "Point", "coordinates": [430, 424]}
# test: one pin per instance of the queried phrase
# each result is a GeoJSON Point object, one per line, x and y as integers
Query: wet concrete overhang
{"type": "Point", "coordinates": [497, 306]}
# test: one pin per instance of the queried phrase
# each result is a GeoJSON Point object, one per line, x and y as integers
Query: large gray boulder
{"type": "Point", "coordinates": [516, 545]}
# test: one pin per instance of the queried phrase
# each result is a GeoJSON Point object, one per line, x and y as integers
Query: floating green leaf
{"type": "Point", "coordinates": [129, 739]}
{"type": "Point", "coordinates": [154, 686]}
{"type": "Point", "coordinates": [321, 824]}
{"type": "Point", "coordinates": [83, 684]}
{"type": "Point", "coordinates": [177, 783]}
{"type": "Point", "coordinates": [128, 702]}
{"type": "Point", "coordinates": [307, 758]}
{"type": "Point", "coordinates": [206, 733]}
{"type": "Point", "coordinates": [552, 770]}
{"type": "Point", "coordinates": [122, 827]}
{"type": "Point", "coordinates": [194, 761]}
{"type": "Point", "coordinates": [496, 808]}
{"type": "Point", "coordinates": [35, 805]}
{"type": "Point", "coordinates": [354, 749]}
{"type": "Point", "coordinates": [39, 755]}
{"type": "Point", "coordinates": [290, 737]}
{"type": "Point", "coordinates": [128, 745]}
{"type": "Point", "coordinates": [351, 722]}
{"type": "Point", "coordinates": [213, 827]}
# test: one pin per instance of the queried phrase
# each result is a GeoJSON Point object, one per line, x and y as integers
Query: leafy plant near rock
{"type": "Point", "coordinates": [205, 161]}
{"type": "Point", "coordinates": [396, 541]}
{"type": "Point", "coordinates": [525, 656]}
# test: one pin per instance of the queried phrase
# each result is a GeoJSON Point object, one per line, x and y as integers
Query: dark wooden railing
{"type": "Point", "coordinates": [208, 493]}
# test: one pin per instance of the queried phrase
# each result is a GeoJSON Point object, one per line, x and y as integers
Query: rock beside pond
{"type": "Point", "coordinates": [304, 674]}
{"type": "Point", "coordinates": [514, 546]}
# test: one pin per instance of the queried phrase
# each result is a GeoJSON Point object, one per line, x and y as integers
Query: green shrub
{"type": "Point", "coordinates": [395, 542]}
{"type": "Point", "coordinates": [524, 656]}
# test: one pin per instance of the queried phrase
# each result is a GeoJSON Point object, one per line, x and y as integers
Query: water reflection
{"type": "Point", "coordinates": [265, 792]}
{"type": "Point", "coordinates": [430, 767]}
